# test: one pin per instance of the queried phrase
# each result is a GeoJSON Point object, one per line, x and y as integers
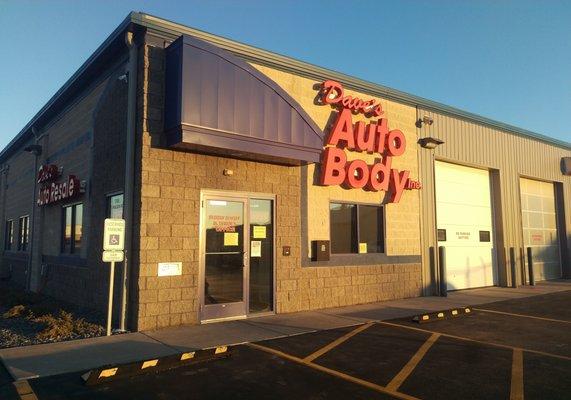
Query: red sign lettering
{"type": "Point", "coordinates": [48, 172]}
{"type": "Point", "coordinates": [332, 93]}
{"type": "Point", "coordinates": [374, 137]}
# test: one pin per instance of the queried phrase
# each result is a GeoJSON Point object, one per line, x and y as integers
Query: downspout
{"type": "Point", "coordinates": [32, 220]}
{"type": "Point", "coordinates": [129, 171]}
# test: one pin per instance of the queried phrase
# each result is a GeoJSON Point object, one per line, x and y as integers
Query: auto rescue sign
{"type": "Point", "coordinates": [372, 138]}
{"type": "Point", "coordinates": [51, 190]}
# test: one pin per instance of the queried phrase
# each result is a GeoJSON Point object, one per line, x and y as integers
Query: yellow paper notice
{"type": "Point", "coordinates": [362, 248]}
{"type": "Point", "coordinates": [259, 232]}
{"type": "Point", "coordinates": [230, 238]}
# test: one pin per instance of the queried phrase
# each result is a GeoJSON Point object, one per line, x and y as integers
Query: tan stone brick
{"type": "Point", "coordinates": [170, 243]}
{"type": "Point", "coordinates": [158, 230]}
{"type": "Point", "coordinates": [172, 192]}
{"type": "Point", "coordinates": [149, 217]}
{"type": "Point", "coordinates": [182, 306]}
{"type": "Point", "coordinates": [148, 296]}
{"type": "Point", "coordinates": [147, 323]}
{"type": "Point", "coordinates": [150, 191]}
{"type": "Point", "coordinates": [149, 243]}
{"type": "Point", "coordinates": [174, 167]}
{"type": "Point", "coordinates": [169, 294]}
{"type": "Point", "coordinates": [160, 178]}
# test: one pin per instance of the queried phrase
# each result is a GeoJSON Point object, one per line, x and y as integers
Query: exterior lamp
{"type": "Point", "coordinates": [35, 149]}
{"type": "Point", "coordinates": [426, 120]}
{"type": "Point", "coordinates": [429, 142]}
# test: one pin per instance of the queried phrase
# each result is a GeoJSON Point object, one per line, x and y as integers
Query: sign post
{"type": "Point", "coordinates": [113, 246]}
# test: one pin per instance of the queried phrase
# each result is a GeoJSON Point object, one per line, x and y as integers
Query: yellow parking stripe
{"type": "Point", "coordinates": [333, 372]}
{"type": "Point", "coordinates": [398, 380]}
{"type": "Point", "coordinates": [523, 316]}
{"type": "Point", "coordinates": [336, 342]}
{"type": "Point", "coordinates": [516, 392]}
{"type": "Point", "coordinates": [505, 346]}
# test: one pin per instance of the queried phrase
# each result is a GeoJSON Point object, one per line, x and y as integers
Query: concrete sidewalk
{"type": "Point", "coordinates": [79, 355]}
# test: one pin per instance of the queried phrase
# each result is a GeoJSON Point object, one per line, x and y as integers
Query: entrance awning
{"type": "Point", "coordinates": [217, 103]}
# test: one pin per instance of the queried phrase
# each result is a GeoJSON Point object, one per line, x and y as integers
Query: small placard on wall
{"type": "Point", "coordinates": [170, 269]}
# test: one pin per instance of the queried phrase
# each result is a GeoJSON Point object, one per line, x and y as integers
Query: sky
{"type": "Point", "coordinates": [502, 59]}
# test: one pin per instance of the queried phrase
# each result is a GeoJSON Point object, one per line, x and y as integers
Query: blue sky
{"type": "Point", "coordinates": [506, 60]}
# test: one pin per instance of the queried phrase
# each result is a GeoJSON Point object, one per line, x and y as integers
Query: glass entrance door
{"type": "Point", "coordinates": [225, 257]}
{"type": "Point", "coordinates": [237, 255]}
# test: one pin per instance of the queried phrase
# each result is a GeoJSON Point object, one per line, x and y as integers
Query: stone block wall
{"type": "Point", "coordinates": [168, 215]}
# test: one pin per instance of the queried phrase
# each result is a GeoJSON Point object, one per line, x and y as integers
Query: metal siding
{"type": "Point", "coordinates": [476, 145]}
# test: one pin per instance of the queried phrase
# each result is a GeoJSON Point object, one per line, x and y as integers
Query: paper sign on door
{"type": "Point", "coordinates": [256, 248]}
{"type": "Point", "coordinates": [259, 232]}
{"type": "Point", "coordinates": [230, 238]}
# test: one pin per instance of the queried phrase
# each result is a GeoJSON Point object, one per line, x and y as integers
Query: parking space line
{"type": "Point", "coordinates": [337, 342]}
{"type": "Point", "coordinates": [505, 346]}
{"type": "Point", "coordinates": [516, 391]}
{"type": "Point", "coordinates": [404, 373]}
{"type": "Point", "coordinates": [333, 372]}
{"type": "Point", "coordinates": [523, 315]}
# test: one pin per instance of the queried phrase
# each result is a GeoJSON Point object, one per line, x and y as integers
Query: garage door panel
{"type": "Point", "coordinates": [463, 209]}
{"type": "Point", "coordinates": [451, 214]}
{"type": "Point", "coordinates": [473, 267]}
{"type": "Point", "coordinates": [460, 193]}
{"type": "Point", "coordinates": [540, 227]}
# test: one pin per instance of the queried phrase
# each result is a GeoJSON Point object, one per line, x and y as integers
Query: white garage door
{"type": "Point", "coordinates": [464, 223]}
{"type": "Point", "coordinates": [540, 228]}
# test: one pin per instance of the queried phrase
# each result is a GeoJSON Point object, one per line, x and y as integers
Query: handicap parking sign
{"type": "Point", "coordinates": [114, 234]}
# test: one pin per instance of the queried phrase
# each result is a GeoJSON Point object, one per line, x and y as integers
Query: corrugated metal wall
{"type": "Point", "coordinates": [508, 156]}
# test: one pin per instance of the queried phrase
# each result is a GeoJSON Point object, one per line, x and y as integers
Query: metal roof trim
{"type": "Point", "coordinates": [268, 58]}
{"type": "Point", "coordinates": [309, 70]}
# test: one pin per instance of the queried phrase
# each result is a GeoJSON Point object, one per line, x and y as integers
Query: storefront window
{"type": "Point", "coordinates": [370, 229]}
{"type": "Point", "coordinates": [343, 218]}
{"type": "Point", "coordinates": [9, 235]}
{"type": "Point", "coordinates": [24, 228]}
{"type": "Point", "coordinates": [356, 228]}
{"type": "Point", "coordinates": [72, 230]}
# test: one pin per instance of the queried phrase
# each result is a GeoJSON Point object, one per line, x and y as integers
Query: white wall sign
{"type": "Point", "coordinates": [170, 269]}
{"type": "Point", "coordinates": [114, 234]}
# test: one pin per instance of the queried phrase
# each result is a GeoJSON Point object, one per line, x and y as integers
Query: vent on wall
{"type": "Point", "coordinates": [566, 165]}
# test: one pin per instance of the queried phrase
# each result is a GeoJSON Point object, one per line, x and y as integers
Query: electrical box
{"type": "Point", "coordinates": [320, 250]}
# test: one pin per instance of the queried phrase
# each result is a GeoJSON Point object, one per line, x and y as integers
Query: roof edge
{"type": "Point", "coordinates": [270, 59]}
{"type": "Point", "coordinates": [309, 70]}
{"type": "Point", "coordinates": [26, 132]}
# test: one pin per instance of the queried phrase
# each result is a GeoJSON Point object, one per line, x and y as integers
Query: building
{"type": "Point", "coordinates": [253, 183]}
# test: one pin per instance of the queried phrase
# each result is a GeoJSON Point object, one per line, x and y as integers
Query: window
{"type": "Point", "coordinates": [72, 231]}
{"type": "Point", "coordinates": [9, 235]}
{"type": "Point", "coordinates": [115, 206]}
{"type": "Point", "coordinates": [23, 232]}
{"type": "Point", "coordinates": [356, 228]}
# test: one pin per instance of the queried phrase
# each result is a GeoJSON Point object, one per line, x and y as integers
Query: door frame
{"type": "Point", "coordinates": [246, 197]}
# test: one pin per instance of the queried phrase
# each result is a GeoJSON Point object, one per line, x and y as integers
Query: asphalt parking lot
{"type": "Point", "coordinates": [512, 349]}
